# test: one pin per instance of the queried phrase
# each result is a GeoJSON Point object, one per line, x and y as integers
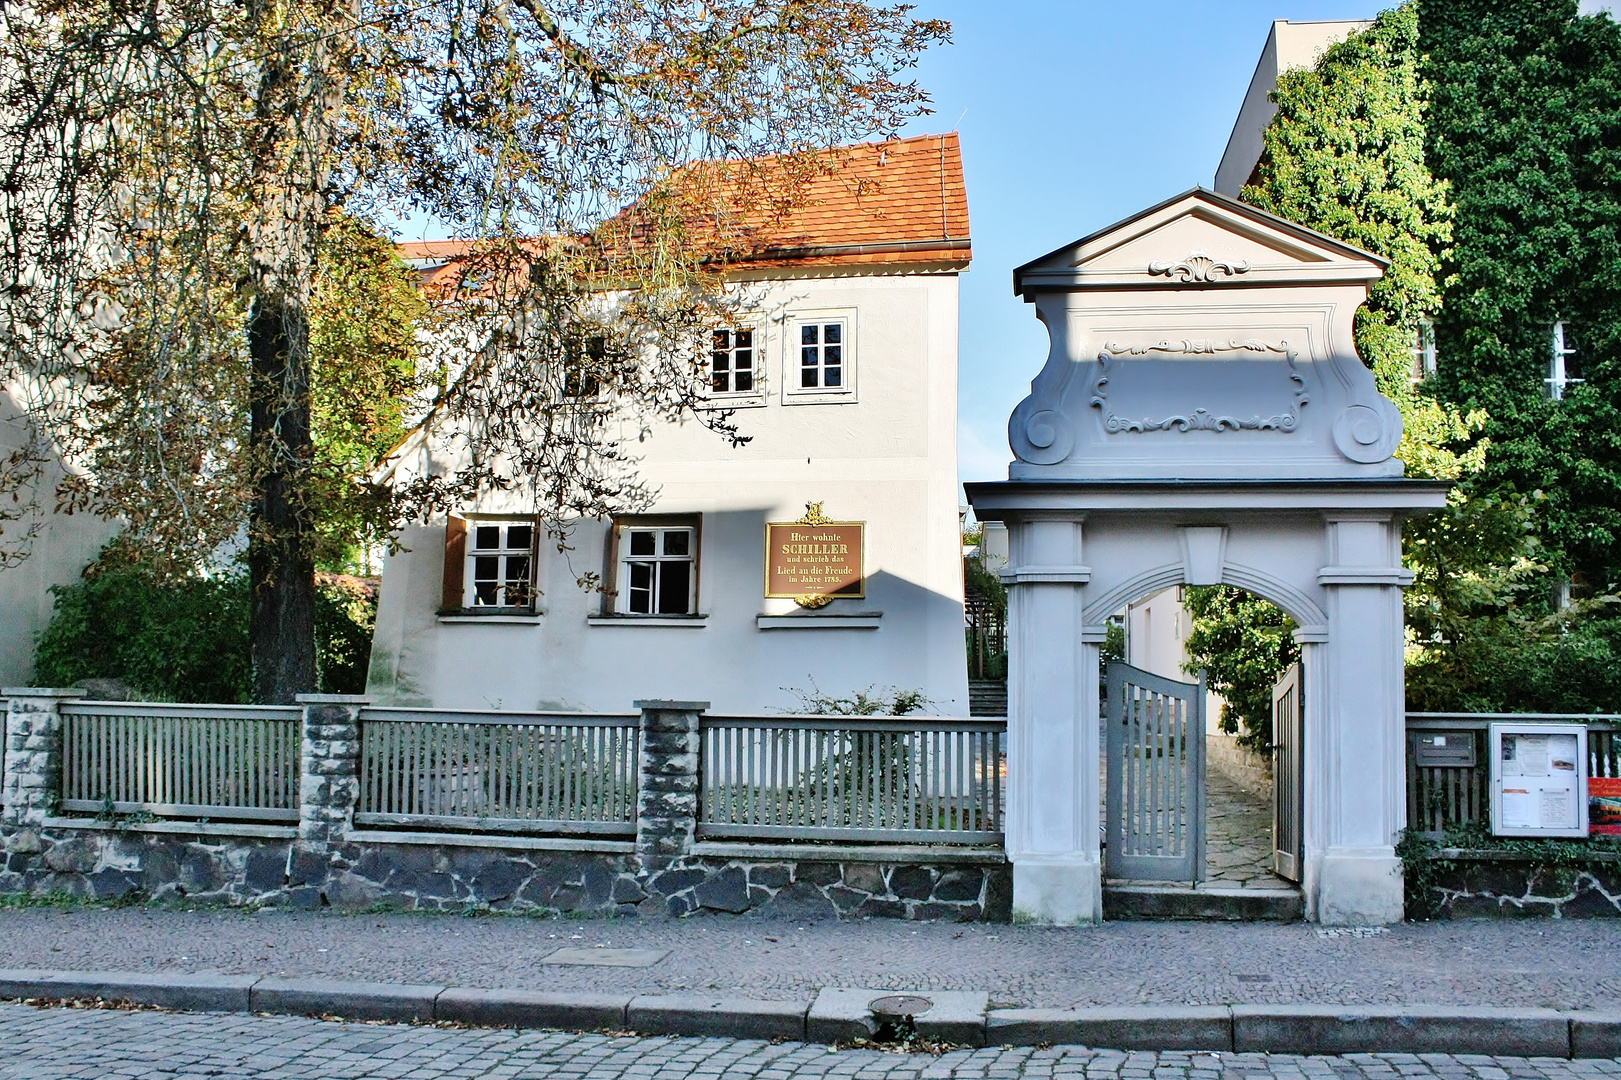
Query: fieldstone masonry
{"type": "Point", "coordinates": [667, 800]}
{"type": "Point", "coordinates": [329, 785]}
{"type": "Point", "coordinates": [1495, 885]}
{"type": "Point", "coordinates": [325, 861]}
{"type": "Point", "coordinates": [33, 755]}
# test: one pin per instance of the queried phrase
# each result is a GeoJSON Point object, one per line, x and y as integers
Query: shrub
{"type": "Point", "coordinates": [186, 639]}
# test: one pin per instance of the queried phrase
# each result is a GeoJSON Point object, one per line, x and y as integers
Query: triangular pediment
{"type": "Point", "coordinates": [1198, 240]}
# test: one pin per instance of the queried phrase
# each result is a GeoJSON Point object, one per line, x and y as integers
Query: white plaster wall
{"type": "Point", "coordinates": [1289, 45]}
{"type": "Point", "coordinates": [888, 458]}
{"type": "Point", "coordinates": [56, 556]}
{"type": "Point", "coordinates": [1156, 632]}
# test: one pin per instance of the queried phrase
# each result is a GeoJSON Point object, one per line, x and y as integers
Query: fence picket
{"type": "Point", "coordinates": [838, 778]}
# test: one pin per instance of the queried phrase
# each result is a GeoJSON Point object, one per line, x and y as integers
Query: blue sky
{"type": "Point", "coordinates": [1074, 114]}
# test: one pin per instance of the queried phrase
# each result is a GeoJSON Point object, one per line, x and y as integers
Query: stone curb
{"type": "Point", "coordinates": [1293, 1029]}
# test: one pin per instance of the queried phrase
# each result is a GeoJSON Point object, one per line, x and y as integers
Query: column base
{"type": "Point", "coordinates": [1057, 893]}
{"type": "Point", "coordinates": [1359, 887]}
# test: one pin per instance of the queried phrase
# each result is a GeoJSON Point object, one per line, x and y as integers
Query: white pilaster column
{"type": "Point", "coordinates": [1052, 830]}
{"type": "Point", "coordinates": [1355, 772]}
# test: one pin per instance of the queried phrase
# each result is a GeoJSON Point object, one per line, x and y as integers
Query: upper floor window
{"type": "Point", "coordinates": [1424, 357]}
{"type": "Point", "coordinates": [583, 363]}
{"type": "Point", "coordinates": [1564, 361]}
{"type": "Point", "coordinates": [500, 564]}
{"type": "Point", "coordinates": [823, 356]}
{"type": "Point", "coordinates": [658, 570]}
{"type": "Point", "coordinates": [731, 362]}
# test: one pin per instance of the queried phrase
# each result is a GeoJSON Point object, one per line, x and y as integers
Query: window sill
{"type": "Point", "coordinates": [507, 618]}
{"type": "Point", "coordinates": [819, 397]}
{"type": "Point", "coordinates": [721, 403]}
{"type": "Point", "coordinates": [690, 622]}
{"type": "Point", "coordinates": [854, 620]}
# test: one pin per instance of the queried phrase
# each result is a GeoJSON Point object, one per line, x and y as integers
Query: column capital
{"type": "Point", "coordinates": [1047, 575]}
{"type": "Point", "coordinates": [1365, 575]}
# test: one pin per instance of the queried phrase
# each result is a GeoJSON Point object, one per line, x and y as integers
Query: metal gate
{"type": "Point", "coordinates": [1155, 806]}
{"type": "Point", "coordinates": [1288, 704]}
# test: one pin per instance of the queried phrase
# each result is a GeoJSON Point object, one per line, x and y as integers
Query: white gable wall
{"type": "Point", "coordinates": [886, 457]}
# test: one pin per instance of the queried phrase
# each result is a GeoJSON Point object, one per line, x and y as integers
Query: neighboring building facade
{"type": "Point", "coordinates": [848, 391]}
{"type": "Point", "coordinates": [1290, 45]}
{"type": "Point", "coordinates": [61, 547]}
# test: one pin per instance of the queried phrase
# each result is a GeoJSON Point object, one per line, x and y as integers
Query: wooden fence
{"type": "Point", "coordinates": [1441, 796]}
{"type": "Point", "coordinates": [923, 780]}
{"type": "Point", "coordinates": [238, 762]}
{"type": "Point", "coordinates": [498, 771]}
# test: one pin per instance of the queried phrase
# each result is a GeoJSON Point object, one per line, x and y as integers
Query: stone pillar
{"type": "Point", "coordinates": [329, 783]}
{"type": "Point", "coordinates": [1355, 778]}
{"type": "Point", "coordinates": [667, 783]}
{"type": "Point", "coordinates": [33, 754]}
{"type": "Point", "coordinates": [1052, 828]}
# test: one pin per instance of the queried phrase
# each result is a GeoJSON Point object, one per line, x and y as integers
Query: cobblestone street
{"type": "Point", "coordinates": [54, 1044]}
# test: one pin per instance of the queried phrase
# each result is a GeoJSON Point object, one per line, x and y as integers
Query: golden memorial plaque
{"type": "Point", "coordinates": [814, 561]}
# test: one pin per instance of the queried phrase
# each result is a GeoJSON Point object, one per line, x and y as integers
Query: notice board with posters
{"type": "Point", "coordinates": [1604, 805]}
{"type": "Point", "coordinates": [1539, 779]}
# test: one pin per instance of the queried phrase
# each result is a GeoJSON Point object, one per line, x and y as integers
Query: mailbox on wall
{"type": "Point", "coordinates": [1539, 779]}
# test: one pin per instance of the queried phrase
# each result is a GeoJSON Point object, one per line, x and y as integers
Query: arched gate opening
{"type": "Point", "coordinates": [1203, 419]}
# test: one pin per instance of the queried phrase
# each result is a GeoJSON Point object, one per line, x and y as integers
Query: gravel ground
{"type": "Point", "coordinates": [53, 1044]}
{"type": "Point", "coordinates": [1559, 964]}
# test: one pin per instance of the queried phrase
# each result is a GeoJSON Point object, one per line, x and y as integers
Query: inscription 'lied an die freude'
{"type": "Point", "coordinates": [813, 559]}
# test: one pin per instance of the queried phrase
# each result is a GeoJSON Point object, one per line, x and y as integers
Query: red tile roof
{"type": "Point", "coordinates": [901, 202]}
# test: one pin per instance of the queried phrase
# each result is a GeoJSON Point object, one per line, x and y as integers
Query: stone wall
{"type": "Point", "coordinates": [1482, 885]}
{"type": "Point", "coordinates": [1252, 772]}
{"type": "Point", "coordinates": [223, 866]}
{"type": "Point", "coordinates": [326, 862]}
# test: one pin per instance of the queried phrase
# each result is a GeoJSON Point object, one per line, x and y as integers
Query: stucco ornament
{"type": "Point", "coordinates": [813, 516]}
{"type": "Point", "coordinates": [1199, 419]}
{"type": "Point", "coordinates": [1206, 366]}
{"type": "Point", "coordinates": [1199, 266]}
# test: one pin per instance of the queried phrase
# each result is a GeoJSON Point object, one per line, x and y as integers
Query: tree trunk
{"type": "Point", "coordinates": [300, 96]}
{"type": "Point", "coordinates": [281, 525]}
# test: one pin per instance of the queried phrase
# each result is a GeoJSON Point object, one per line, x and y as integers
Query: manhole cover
{"type": "Point", "coordinates": [899, 1006]}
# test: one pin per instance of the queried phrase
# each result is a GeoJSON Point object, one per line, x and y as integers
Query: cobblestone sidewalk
{"type": "Point", "coordinates": [1569, 964]}
{"type": "Point", "coordinates": [54, 1044]}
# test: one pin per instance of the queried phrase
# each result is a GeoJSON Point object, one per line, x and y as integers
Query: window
{"type": "Point", "coordinates": [1564, 361]}
{"type": "Point", "coordinates": [1424, 358]}
{"type": "Point", "coordinates": [823, 363]}
{"type": "Point", "coordinates": [582, 367]}
{"type": "Point", "coordinates": [657, 570]}
{"type": "Point", "coordinates": [500, 564]}
{"type": "Point", "coordinates": [731, 362]}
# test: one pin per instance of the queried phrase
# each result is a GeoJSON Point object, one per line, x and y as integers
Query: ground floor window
{"type": "Point", "coordinates": [658, 569]}
{"type": "Point", "coordinates": [498, 568]}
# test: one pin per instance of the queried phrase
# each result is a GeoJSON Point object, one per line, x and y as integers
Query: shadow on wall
{"type": "Point", "coordinates": [912, 638]}
{"type": "Point", "coordinates": [57, 553]}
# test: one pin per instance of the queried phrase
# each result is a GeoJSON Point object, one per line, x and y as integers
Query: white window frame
{"type": "Point", "coordinates": [793, 392]}
{"type": "Point", "coordinates": [1557, 380]}
{"type": "Point", "coordinates": [1424, 354]}
{"type": "Point", "coordinates": [756, 393]}
{"type": "Point", "coordinates": [503, 554]}
{"type": "Point", "coordinates": [624, 598]}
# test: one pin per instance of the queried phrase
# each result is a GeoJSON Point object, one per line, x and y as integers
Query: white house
{"type": "Point", "coordinates": [847, 385]}
{"type": "Point", "coordinates": [55, 549]}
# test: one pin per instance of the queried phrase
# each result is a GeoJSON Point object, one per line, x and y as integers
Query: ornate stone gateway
{"type": "Point", "coordinates": [1203, 418]}
{"type": "Point", "coordinates": [1156, 796]}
